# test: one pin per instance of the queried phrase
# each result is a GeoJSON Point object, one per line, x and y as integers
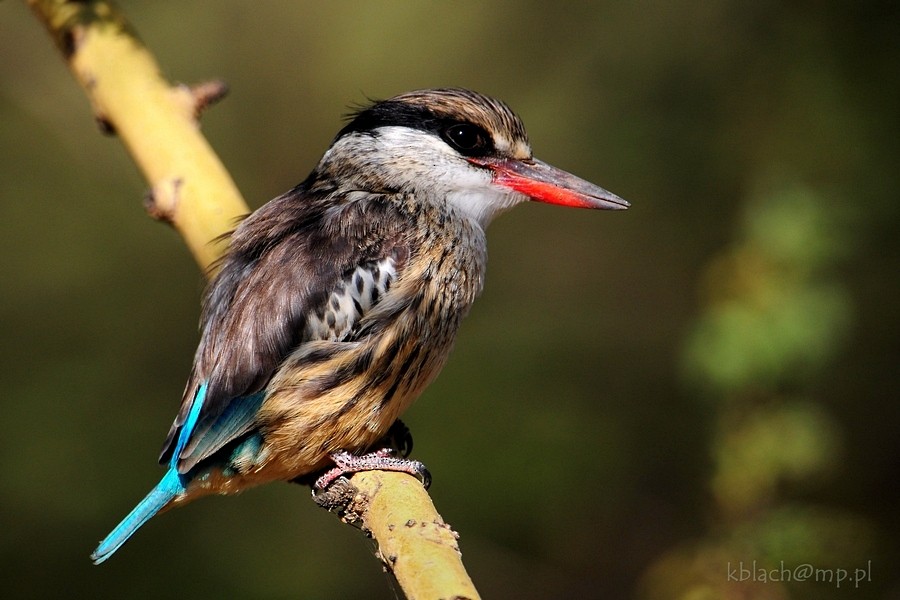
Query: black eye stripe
{"type": "Point", "coordinates": [469, 139]}
{"type": "Point", "coordinates": [393, 113]}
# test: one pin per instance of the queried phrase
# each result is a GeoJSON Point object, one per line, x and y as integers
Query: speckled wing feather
{"type": "Point", "coordinates": [299, 269]}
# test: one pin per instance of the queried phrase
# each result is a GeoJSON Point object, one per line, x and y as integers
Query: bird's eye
{"type": "Point", "coordinates": [468, 139]}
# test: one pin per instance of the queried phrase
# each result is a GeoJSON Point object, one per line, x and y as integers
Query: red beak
{"type": "Point", "coordinates": [545, 183]}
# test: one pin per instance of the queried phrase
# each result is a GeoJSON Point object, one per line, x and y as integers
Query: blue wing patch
{"type": "Point", "coordinates": [239, 418]}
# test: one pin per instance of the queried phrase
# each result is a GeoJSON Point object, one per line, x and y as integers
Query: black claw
{"type": "Point", "coordinates": [423, 475]}
{"type": "Point", "coordinates": [400, 438]}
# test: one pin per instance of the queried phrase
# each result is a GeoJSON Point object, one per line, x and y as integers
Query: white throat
{"type": "Point", "coordinates": [485, 203]}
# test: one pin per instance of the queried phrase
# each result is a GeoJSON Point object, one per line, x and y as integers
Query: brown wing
{"type": "Point", "coordinates": [276, 289]}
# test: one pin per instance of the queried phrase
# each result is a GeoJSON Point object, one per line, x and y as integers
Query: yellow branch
{"type": "Point", "coordinates": [192, 190]}
{"type": "Point", "coordinates": [412, 540]}
{"type": "Point", "coordinates": [157, 122]}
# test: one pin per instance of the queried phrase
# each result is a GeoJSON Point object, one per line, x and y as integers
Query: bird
{"type": "Point", "coordinates": [338, 302]}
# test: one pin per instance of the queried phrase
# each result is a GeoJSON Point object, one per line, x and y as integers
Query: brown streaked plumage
{"type": "Point", "coordinates": [338, 302]}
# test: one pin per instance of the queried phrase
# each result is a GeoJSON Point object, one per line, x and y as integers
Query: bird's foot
{"type": "Point", "coordinates": [384, 459]}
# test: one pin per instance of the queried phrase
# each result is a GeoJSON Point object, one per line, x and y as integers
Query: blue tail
{"type": "Point", "coordinates": [170, 486]}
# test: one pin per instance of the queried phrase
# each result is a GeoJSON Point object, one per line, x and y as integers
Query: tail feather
{"type": "Point", "coordinates": [170, 486]}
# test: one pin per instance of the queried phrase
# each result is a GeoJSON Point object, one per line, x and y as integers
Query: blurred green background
{"type": "Point", "coordinates": [640, 404]}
